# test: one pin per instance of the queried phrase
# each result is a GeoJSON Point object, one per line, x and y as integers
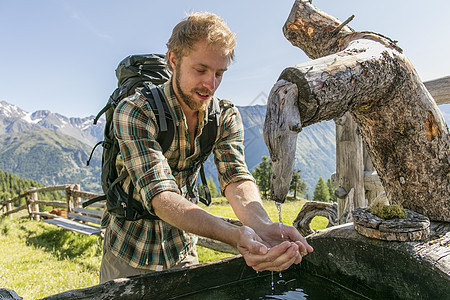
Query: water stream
{"type": "Point", "coordinates": [278, 205]}
{"type": "Point", "coordinates": [280, 219]}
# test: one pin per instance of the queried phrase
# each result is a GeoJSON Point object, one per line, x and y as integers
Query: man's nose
{"type": "Point", "coordinates": [210, 82]}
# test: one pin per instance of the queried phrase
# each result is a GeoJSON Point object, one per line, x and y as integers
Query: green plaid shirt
{"type": "Point", "coordinates": [156, 245]}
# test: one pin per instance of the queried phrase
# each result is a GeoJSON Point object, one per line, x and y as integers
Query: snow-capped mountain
{"type": "Point", "coordinates": [13, 119]}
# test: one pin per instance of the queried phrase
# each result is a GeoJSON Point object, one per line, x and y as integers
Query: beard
{"type": "Point", "coordinates": [188, 100]}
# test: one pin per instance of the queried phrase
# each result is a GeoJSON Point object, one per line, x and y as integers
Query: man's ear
{"type": "Point", "coordinates": [172, 60]}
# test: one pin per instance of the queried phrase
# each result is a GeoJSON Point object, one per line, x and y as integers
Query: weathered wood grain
{"type": "Point", "coordinates": [395, 270]}
{"type": "Point", "coordinates": [349, 162]}
{"type": "Point", "coordinates": [282, 124]}
{"type": "Point", "coordinates": [312, 209]}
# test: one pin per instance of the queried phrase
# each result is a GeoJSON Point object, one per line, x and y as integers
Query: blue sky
{"type": "Point", "coordinates": [60, 55]}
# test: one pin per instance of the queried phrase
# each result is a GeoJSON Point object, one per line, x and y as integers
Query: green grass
{"type": "Point", "coordinates": [39, 260]}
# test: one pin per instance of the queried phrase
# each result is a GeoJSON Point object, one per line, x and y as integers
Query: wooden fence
{"type": "Point", "coordinates": [73, 197]}
{"type": "Point", "coordinates": [75, 218]}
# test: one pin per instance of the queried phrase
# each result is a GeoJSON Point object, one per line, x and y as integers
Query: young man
{"type": "Point", "coordinates": [199, 52]}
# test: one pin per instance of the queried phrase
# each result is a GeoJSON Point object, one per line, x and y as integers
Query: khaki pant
{"type": "Point", "coordinates": [114, 267]}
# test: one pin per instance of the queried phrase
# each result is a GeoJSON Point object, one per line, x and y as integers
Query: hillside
{"type": "Point", "coordinates": [49, 157]}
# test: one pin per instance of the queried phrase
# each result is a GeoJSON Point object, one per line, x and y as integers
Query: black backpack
{"type": "Point", "coordinates": [142, 73]}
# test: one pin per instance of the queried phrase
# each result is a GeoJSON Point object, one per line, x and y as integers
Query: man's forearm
{"type": "Point", "coordinates": [245, 199]}
{"type": "Point", "coordinates": [185, 215]}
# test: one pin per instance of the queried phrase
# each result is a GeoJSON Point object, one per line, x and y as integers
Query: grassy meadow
{"type": "Point", "coordinates": [39, 259]}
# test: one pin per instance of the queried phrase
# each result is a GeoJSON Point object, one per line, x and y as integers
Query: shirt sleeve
{"type": "Point", "coordinates": [136, 130]}
{"type": "Point", "coordinates": [229, 149]}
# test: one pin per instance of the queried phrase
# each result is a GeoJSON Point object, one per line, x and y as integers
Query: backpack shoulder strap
{"type": "Point", "coordinates": [209, 133]}
{"type": "Point", "coordinates": [158, 102]}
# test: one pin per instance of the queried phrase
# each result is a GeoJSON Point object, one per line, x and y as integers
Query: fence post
{"type": "Point", "coordinates": [69, 203]}
{"type": "Point", "coordinates": [35, 206]}
{"type": "Point", "coordinates": [9, 207]}
{"type": "Point", "coordinates": [27, 199]}
{"type": "Point", "coordinates": [76, 200]}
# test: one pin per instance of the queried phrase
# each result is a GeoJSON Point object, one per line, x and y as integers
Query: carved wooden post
{"type": "Point", "coordinates": [349, 161]}
{"type": "Point", "coordinates": [368, 75]}
{"type": "Point", "coordinates": [281, 127]}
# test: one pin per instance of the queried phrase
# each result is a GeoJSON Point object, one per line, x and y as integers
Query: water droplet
{"type": "Point", "coordinates": [273, 286]}
{"type": "Point", "coordinates": [278, 205]}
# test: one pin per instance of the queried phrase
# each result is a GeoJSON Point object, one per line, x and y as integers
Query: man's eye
{"type": "Point", "coordinates": [200, 71]}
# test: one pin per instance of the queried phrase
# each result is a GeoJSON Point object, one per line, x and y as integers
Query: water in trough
{"type": "Point", "coordinates": [293, 285]}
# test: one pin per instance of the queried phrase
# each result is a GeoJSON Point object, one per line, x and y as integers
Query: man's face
{"type": "Point", "coordinates": [198, 75]}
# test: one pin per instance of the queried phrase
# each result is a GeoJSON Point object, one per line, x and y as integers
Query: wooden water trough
{"type": "Point", "coordinates": [371, 268]}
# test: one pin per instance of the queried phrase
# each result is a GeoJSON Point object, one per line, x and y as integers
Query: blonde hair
{"type": "Point", "coordinates": [200, 26]}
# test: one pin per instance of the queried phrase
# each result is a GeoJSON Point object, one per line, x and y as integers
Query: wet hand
{"type": "Point", "coordinates": [275, 234]}
{"type": "Point", "coordinates": [272, 254]}
{"type": "Point", "coordinates": [278, 258]}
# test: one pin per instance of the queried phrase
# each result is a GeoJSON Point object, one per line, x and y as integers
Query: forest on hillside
{"type": "Point", "coordinates": [12, 185]}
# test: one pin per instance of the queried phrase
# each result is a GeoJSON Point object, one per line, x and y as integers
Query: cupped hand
{"type": "Point", "coordinates": [275, 233]}
{"type": "Point", "coordinates": [275, 253]}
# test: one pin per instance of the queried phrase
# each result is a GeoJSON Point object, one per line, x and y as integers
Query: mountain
{"type": "Point", "coordinates": [53, 149]}
{"type": "Point", "coordinates": [15, 120]}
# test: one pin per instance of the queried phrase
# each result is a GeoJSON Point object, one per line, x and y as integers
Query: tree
{"type": "Point", "coordinates": [297, 184]}
{"type": "Point", "coordinates": [331, 190]}
{"type": "Point", "coordinates": [211, 186]}
{"type": "Point", "coordinates": [263, 174]}
{"type": "Point", "coordinates": [12, 185]}
{"type": "Point", "coordinates": [321, 191]}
